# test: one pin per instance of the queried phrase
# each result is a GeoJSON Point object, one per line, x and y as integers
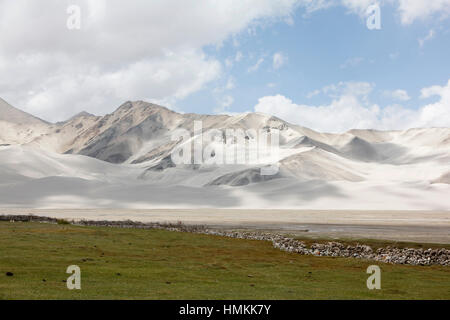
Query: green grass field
{"type": "Point", "coordinates": [153, 264]}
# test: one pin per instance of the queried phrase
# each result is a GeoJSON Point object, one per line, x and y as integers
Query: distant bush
{"type": "Point", "coordinates": [62, 221]}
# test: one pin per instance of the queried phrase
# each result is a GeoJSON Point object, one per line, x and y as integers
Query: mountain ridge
{"type": "Point", "coordinates": [8, 113]}
{"type": "Point", "coordinates": [124, 159]}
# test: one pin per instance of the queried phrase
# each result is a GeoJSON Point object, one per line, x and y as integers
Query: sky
{"type": "Point", "coordinates": [314, 63]}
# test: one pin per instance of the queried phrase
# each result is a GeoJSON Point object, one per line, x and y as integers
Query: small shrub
{"type": "Point", "coordinates": [62, 221]}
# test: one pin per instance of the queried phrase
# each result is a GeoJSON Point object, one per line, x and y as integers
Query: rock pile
{"type": "Point", "coordinates": [388, 255]}
{"type": "Point", "coordinates": [336, 249]}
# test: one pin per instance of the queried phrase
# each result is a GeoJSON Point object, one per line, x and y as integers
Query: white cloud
{"type": "Point", "coordinates": [227, 101]}
{"type": "Point", "coordinates": [399, 94]}
{"type": "Point", "coordinates": [352, 110]}
{"type": "Point", "coordinates": [84, 87]}
{"type": "Point", "coordinates": [408, 10]}
{"type": "Point", "coordinates": [358, 6]}
{"type": "Point", "coordinates": [224, 100]}
{"type": "Point", "coordinates": [352, 62]}
{"type": "Point", "coordinates": [279, 59]}
{"type": "Point", "coordinates": [224, 104]}
{"type": "Point", "coordinates": [350, 88]}
{"type": "Point", "coordinates": [432, 91]}
{"type": "Point", "coordinates": [229, 85]}
{"type": "Point", "coordinates": [429, 36]}
{"type": "Point", "coordinates": [229, 62]}
{"type": "Point", "coordinates": [313, 93]}
{"type": "Point", "coordinates": [436, 114]}
{"type": "Point", "coordinates": [339, 116]}
{"type": "Point", "coordinates": [134, 50]}
{"type": "Point", "coordinates": [315, 5]}
{"type": "Point", "coordinates": [238, 56]}
{"type": "Point", "coordinates": [411, 10]}
{"type": "Point", "coordinates": [256, 66]}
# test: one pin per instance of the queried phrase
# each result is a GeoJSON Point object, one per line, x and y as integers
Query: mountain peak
{"type": "Point", "coordinates": [138, 104]}
{"type": "Point", "coordinates": [13, 115]}
{"type": "Point", "coordinates": [85, 114]}
{"type": "Point", "coordinates": [82, 114]}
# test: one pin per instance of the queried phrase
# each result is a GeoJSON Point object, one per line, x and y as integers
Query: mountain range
{"type": "Point", "coordinates": [123, 160]}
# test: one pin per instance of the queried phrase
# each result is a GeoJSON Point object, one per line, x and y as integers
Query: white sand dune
{"type": "Point", "coordinates": [122, 160]}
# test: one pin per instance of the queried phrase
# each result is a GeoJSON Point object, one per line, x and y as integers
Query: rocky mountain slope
{"type": "Point", "coordinates": [18, 127]}
{"type": "Point", "coordinates": [124, 159]}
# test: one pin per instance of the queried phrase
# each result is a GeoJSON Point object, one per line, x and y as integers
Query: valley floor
{"type": "Point", "coordinates": [119, 263]}
{"type": "Point", "coordinates": [415, 226]}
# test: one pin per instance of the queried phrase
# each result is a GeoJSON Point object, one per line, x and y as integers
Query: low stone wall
{"type": "Point", "coordinates": [392, 255]}
{"type": "Point", "coordinates": [388, 255]}
{"type": "Point", "coordinates": [335, 249]}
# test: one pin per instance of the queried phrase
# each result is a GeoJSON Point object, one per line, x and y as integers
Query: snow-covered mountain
{"type": "Point", "coordinates": [123, 159]}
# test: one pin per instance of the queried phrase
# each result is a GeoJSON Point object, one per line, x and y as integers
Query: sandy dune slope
{"type": "Point", "coordinates": [124, 160]}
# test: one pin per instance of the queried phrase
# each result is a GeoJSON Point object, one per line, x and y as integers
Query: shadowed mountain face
{"type": "Point", "coordinates": [136, 130]}
{"type": "Point", "coordinates": [135, 144]}
{"type": "Point", "coordinates": [445, 178]}
{"type": "Point", "coordinates": [242, 178]}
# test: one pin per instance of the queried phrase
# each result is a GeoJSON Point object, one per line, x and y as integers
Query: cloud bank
{"type": "Point", "coordinates": [150, 50]}
{"type": "Point", "coordinates": [351, 108]}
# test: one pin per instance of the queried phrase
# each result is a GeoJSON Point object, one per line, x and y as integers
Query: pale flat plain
{"type": "Point", "coordinates": [414, 226]}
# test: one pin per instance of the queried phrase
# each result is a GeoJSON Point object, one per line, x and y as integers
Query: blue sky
{"type": "Point", "coordinates": [325, 48]}
{"type": "Point", "coordinates": [311, 62]}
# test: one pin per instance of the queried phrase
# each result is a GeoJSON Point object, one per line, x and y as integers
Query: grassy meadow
{"type": "Point", "coordinates": [121, 263]}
